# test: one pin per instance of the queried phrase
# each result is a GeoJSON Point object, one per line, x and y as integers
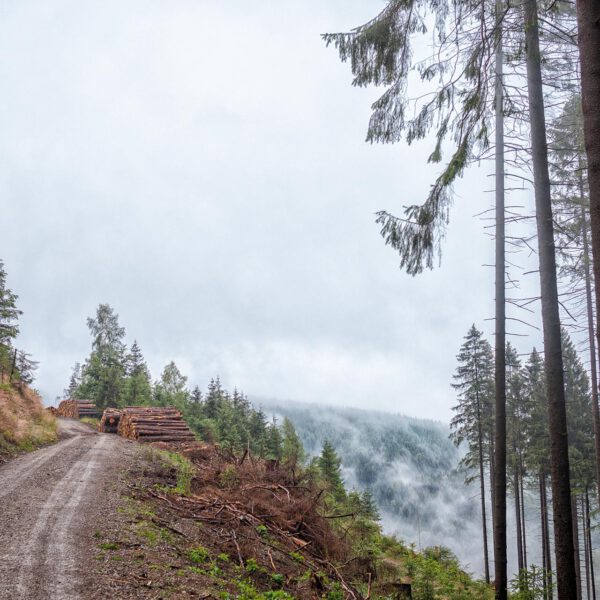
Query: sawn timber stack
{"type": "Point", "coordinates": [153, 424]}
{"type": "Point", "coordinates": [87, 408]}
{"type": "Point", "coordinates": [77, 409]}
{"type": "Point", "coordinates": [109, 422]}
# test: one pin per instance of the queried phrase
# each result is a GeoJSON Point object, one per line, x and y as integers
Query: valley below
{"type": "Point", "coordinates": [412, 469]}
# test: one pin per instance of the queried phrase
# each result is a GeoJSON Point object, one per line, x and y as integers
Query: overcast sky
{"type": "Point", "coordinates": [201, 167]}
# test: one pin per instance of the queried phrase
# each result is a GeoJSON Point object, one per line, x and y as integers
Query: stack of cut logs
{"type": "Point", "coordinates": [153, 424]}
{"type": "Point", "coordinates": [77, 409]}
{"type": "Point", "coordinates": [109, 422]}
{"type": "Point", "coordinates": [86, 408]}
{"type": "Point", "coordinates": [67, 408]}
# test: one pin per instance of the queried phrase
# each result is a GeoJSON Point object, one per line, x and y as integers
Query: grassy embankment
{"type": "Point", "coordinates": [24, 422]}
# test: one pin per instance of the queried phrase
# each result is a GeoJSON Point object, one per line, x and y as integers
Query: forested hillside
{"type": "Point", "coordinates": [207, 174]}
{"type": "Point", "coordinates": [24, 424]}
{"type": "Point", "coordinates": [527, 72]}
{"type": "Point", "coordinates": [410, 465]}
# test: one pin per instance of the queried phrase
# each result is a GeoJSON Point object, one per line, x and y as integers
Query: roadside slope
{"type": "Point", "coordinates": [24, 422]}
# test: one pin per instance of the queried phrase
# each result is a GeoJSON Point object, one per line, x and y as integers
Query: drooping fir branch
{"type": "Point", "coordinates": [380, 53]}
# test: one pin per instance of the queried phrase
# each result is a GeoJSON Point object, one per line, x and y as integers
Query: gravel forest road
{"type": "Point", "coordinates": [50, 504]}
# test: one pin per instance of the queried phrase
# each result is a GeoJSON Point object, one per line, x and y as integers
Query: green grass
{"type": "Point", "coordinates": [148, 531]}
{"type": "Point", "coordinates": [109, 546]}
{"type": "Point", "coordinates": [199, 554]}
{"type": "Point", "coordinates": [184, 468]}
{"type": "Point", "coordinates": [41, 432]}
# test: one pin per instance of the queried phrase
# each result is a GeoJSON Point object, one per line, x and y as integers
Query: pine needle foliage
{"type": "Point", "coordinates": [458, 109]}
{"type": "Point", "coordinates": [16, 365]}
{"type": "Point", "coordinates": [474, 385]}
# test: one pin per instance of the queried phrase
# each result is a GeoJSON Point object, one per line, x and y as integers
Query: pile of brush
{"type": "Point", "coordinates": [256, 509]}
{"type": "Point", "coordinates": [109, 422]}
{"type": "Point", "coordinates": [154, 424]}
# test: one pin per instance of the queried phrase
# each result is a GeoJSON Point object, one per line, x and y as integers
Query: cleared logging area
{"type": "Point", "coordinates": [154, 424]}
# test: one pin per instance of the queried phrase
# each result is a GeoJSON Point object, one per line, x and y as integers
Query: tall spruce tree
{"type": "Point", "coordinates": [518, 414]}
{"type": "Point", "coordinates": [330, 467]}
{"type": "Point", "coordinates": [9, 322]}
{"type": "Point", "coordinates": [553, 363]}
{"type": "Point", "coordinates": [474, 384]}
{"type": "Point", "coordinates": [213, 399]}
{"type": "Point", "coordinates": [588, 21]}
{"type": "Point", "coordinates": [467, 92]}
{"type": "Point", "coordinates": [171, 389]}
{"type": "Point", "coordinates": [292, 450]}
{"type": "Point", "coordinates": [257, 425]}
{"type": "Point", "coordinates": [25, 367]}
{"type": "Point", "coordinates": [581, 436]}
{"type": "Point", "coordinates": [9, 313]}
{"type": "Point", "coordinates": [537, 454]}
{"type": "Point", "coordinates": [499, 425]}
{"type": "Point", "coordinates": [273, 441]}
{"type": "Point", "coordinates": [581, 439]}
{"type": "Point", "coordinates": [137, 388]}
{"type": "Point", "coordinates": [104, 371]}
{"type": "Point", "coordinates": [74, 382]}
{"type": "Point", "coordinates": [571, 198]}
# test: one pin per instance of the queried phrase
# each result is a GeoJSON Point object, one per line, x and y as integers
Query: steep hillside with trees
{"type": "Point", "coordinates": [24, 423]}
{"type": "Point", "coordinates": [227, 524]}
{"type": "Point", "coordinates": [410, 466]}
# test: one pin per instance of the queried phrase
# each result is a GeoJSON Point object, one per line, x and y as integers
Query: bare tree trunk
{"type": "Point", "coordinates": [518, 517]}
{"type": "Point", "coordinates": [590, 547]}
{"type": "Point", "coordinates": [588, 27]}
{"type": "Point", "coordinates": [492, 478]}
{"type": "Point", "coordinates": [486, 559]}
{"type": "Point", "coordinates": [548, 554]}
{"type": "Point", "coordinates": [543, 530]}
{"type": "Point", "coordinates": [575, 518]}
{"type": "Point", "coordinates": [500, 559]}
{"type": "Point", "coordinates": [586, 549]}
{"type": "Point", "coordinates": [553, 363]}
{"type": "Point", "coordinates": [590, 320]}
{"type": "Point", "coordinates": [523, 526]}
{"type": "Point", "coordinates": [13, 366]}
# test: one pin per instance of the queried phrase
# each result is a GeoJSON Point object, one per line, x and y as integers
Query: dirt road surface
{"type": "Point", "coordinates": [50, 504]}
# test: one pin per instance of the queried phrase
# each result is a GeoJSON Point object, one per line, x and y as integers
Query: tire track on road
{"type": "Point", "coordinates": [49, 564]}
{"type": "Point", "coordinates": [17, 473]}
{"type": "Point", "coordinates": [51, 500]}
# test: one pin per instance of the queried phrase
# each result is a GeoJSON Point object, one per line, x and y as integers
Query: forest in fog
{"type": "Point", "coordinates": [202, 180]}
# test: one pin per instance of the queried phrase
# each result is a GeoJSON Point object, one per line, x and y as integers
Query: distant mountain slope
{"type": "Point", "coordinates": [409, 464]}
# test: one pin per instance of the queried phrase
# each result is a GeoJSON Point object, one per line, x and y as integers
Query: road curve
{"type": "Point", "coordinates": [48, 500]}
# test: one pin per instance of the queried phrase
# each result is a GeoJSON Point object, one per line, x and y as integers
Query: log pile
{"type": "Point", "coordinates": [109, 423]}
{"type": "Point", "coordinates": [76, 409]}
{"type": "Point", "coordinates": [68, 408]}
{"type": "Point", "coordinates": [87, 408]}
{"type": "Point", "coordinates": [154, 424]}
